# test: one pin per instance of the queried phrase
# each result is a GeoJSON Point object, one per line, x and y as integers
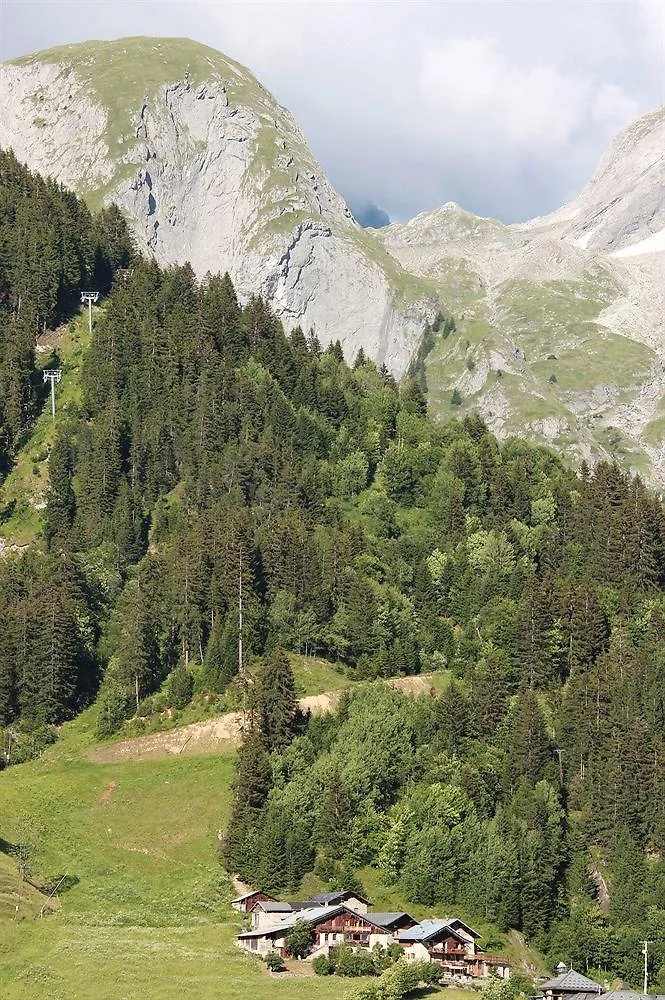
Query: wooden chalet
{"type": "Point", "coordinates": [451, 943]}
{"type": "Point", "coordinates": [244, 904]}
{"type": "Point", "coordinates": [330, 926]}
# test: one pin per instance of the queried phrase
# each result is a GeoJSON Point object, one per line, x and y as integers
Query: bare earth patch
{"type": "Point", "coordinates": [221, 733]}
{"type": "Point", "coordinates": [107, 794]}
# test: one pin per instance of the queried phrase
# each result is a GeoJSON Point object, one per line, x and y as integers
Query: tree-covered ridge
{"type": "Point", "coordinates": [50, 248]}
{"type": "Point", "coordinates": [214, 454]}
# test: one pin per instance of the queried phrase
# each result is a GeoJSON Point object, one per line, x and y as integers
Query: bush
{"type": "Point", "coordinates": [431, 974]}
{"type": "Point", "coordinates": [354, 963]}
{"type": "Point", "coordinates": [363, 991]}
{"type": "Point", "coordinates": [322, 966]}
{"type": "Point", "coordinates": [274, 961]}
{"type": "Point", "coordinates": [27, 742]}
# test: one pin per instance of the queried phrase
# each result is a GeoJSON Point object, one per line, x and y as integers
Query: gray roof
{"type": "Point", "coordinates": [632, 995]}
{"type": "Point", "coordinates": [326, 898]}
{"type": "Point", "coordinates": [273, 906]}
{"type": "Point", "coordinates": [571, 982]}
{"type": "Point", "coordinates": [386, 919]}
{"type": "Point", "coordinates": [313, 915]}
{"type": "Point", "coordinates": [427, 929]}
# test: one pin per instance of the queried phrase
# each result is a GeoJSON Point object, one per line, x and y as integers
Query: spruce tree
{"type": "Point", "coordinates": [275, 700]}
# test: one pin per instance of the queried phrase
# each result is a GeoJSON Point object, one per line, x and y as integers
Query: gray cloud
{"type": "Point", "coordinates": [502, 107]}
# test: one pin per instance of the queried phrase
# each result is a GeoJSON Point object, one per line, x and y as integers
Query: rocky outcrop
{"type": "Point", "coordinates": [561, 320]}
{"type": "Point", "coordinates": [623, 204]}
{"type": "Point", "coordinates": [211, 170]}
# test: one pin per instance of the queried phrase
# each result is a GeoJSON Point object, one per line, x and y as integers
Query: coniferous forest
{"type": "Point", "coordinates": [212, 452]}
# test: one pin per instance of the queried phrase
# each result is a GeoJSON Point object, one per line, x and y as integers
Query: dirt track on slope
{"type": "Point", "coordinates": [222, 732]}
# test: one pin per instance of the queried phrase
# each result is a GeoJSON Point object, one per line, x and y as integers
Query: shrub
{"type": "Point", "coordinates": [363, 991]}
{"type": "Point", "coordinates": [431, 974]}
{"type": "Point", "coordinates": [322, 966]}
{"type": "Point", "coordinates": [274, 961]}
{"type": "Point", "coordinates": [456, 398]}
{"type": "Point", "coordinates": [354, 963]}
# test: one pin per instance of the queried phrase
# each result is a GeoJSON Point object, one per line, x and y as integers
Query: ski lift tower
{"type": "Point", "coordinates": [89, 297]}
{"type": "Point", "coordinates": [53, 375]}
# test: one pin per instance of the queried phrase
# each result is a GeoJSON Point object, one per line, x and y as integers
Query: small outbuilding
{"type": "Point", "coordinates": [244, 904]}
{"type": "Point", "coordinates": [570, 985]}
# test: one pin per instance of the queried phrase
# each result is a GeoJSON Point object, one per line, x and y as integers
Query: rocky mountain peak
{"type": "Point", "coordinates": [209, 168]}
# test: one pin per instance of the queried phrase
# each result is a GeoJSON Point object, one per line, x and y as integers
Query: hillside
{"type": "Point", "coordinates": [210, 169]}
{"type": "Point", "coordinates": [233, 517]}
{"type": "Point", "coordinates": [560, 321]}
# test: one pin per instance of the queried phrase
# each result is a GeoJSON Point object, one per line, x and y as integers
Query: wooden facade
{"type": "Point", "coordinates": [244, 904]}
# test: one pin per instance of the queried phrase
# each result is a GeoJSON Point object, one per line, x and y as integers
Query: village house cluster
{"type": "Point", "coordinates": [345, 918]}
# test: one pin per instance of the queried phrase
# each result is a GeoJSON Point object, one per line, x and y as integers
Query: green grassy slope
{"type": "Point", "coordinates": [23, 492]}
{"type": "Point", "coordinates": [575, 386]}
{"type": "Point", "coordinates": [149, 916]}
{"type": "Point", "coordinates": [15, 892]}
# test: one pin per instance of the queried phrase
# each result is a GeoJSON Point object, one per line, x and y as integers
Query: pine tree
{"type": "Point", "coordinates": [529, 750]}
{"type": "Point", "coordinates": [252, 784]}
{"type": "Point", "coordinates": [275, 700]}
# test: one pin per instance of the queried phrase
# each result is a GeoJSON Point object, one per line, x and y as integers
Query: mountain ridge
{"type": "Point", "coordinates": [560, 319]}
{"type": "Point", "coordinates": [210, 168]}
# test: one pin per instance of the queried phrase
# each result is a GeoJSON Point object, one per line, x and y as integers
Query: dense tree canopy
{"type": "Point", "coordinates": [221, 469]}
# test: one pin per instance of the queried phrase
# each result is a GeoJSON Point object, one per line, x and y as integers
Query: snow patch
{"type": "Point", "coordinates": [652, 244]}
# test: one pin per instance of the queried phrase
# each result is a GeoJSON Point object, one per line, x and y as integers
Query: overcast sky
{"type": "Point", "coordinates": [502, 107]}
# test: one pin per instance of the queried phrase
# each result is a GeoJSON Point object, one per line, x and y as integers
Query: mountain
{"type": "Point", "coordinates": [560, 320]}
{"type": "Point", "coordinates": [210, 169]}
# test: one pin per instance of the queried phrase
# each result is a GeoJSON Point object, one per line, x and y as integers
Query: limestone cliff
{"type": "Point", "coordinates": [210, 169]}
{"type": "Point", "coordinates": [561, 320]}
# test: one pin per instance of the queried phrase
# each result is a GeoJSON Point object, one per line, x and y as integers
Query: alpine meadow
{"type": "Point", "coordinates": [284, 621]}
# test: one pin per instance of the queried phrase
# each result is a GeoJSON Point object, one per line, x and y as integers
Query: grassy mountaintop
{"type": "Point", "coordinates": [121, 73]}
{"type": "Point", "coordinates": [210, 169]}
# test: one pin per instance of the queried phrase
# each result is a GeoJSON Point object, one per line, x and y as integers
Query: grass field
{"type": "Point", "coordinates": [26, 485]}
{"type": "Point", "coordinates": [149, 914]}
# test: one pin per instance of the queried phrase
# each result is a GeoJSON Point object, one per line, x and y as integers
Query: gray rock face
{"type": "Point", "coordinates": [211, 170]}
{"type": "Point", "coordinates": [624, 202]}
{"type": "Point", "coordinates": [561, 320]}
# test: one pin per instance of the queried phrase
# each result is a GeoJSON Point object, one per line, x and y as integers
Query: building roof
{"type": "Point", "coordinates": [571, 982]}
{"type": "Point", "coordinates": [386, 919]}
{"type": "Point", "coordinates": [272, 906]}
{"type": "Point", "coordinates": [632, 995]}
{"type": "Point", "coordinates": [248, 895]}
{"type": "Point", "coordinates": [313, 915]}
{"type": "Point", "coordinates": [427, 929]}
{"type": "Point", "coordinates": [329, 898]}
{"type": "Point", "coordinates": [469, 930]}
